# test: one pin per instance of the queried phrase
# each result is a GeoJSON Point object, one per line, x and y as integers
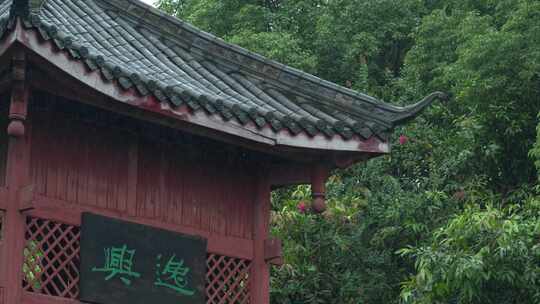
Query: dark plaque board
{"type": "Point", "coordinates": [123, 262]}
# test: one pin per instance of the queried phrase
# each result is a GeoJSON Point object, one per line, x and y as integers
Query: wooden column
{"type": "Point", "coordinates": [18, 177]}
{"type": "Point", "coordinates": [260, 270]}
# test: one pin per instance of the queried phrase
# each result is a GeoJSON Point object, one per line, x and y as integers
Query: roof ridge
{"type": "Point", "coordinates": [128, 79]}
{"type": "Point", "coordinates": [24, 8]}
{"type": "Point", "coordinates": [349, 114]}
{"type": "Point", "coordinates": [281, 73]}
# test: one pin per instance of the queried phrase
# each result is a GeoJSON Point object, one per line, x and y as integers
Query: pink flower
{"type": "Point", "coordinates": [403, 139]}
{"type": "Point", "coordinates": [302, 208]}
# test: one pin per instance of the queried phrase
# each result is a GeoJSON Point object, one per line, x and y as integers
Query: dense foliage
{"type": "Point", "coordinates": [453, 214]}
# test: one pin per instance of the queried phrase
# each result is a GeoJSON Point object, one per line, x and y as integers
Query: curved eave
{"type": "Point", "coordinates": [47, 50]}
{"type": "Point", "coordinates": [407, 113]}
{"type": "Point", "coordinates": [326, 92]}
{"type": "Point", "coordinates": [304, 104]}
{"type": "Point", "coordinates": [386, 116]}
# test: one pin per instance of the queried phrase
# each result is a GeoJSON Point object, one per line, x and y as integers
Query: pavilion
{"type": "Point", "coordinates": [113, 108]}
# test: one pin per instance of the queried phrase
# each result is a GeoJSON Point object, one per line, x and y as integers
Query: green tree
{"type": "Point", "coordinates": [260, 26]}
{"type": "Point", "coordinates": [486, 53]}
{"type": "Point", "coordinates": [535, 152]}
{"type": "Point", "coordinates": [490, 62]}
{"type": "Point", "coordinates": [484, 255]}
{"type": "Point", "coordinates": [458, 194]}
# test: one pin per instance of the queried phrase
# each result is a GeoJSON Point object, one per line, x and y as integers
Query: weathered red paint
{"type": "Point", "coordinates": [273, 252]}
{"type": "Point", "coordinates": [260, 273]}
{"type": "Point", "coordinates": [94, 79]}
{"type": "Point", "coordinates": [17, 178]}
{"type": "Point", "coordinates": [129, 175]}
{"type": "Point", "coordinates": [79, 143]}
{"type": "Point", "coordinates": [79, 165]}
{"type": "Point", "coordinates": [73, 165]}
{"type": "Point", "coordinates": [319, 175]}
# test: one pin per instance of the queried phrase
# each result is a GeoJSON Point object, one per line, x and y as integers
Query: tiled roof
{"type": "Point", "coordinates": [143, 48]}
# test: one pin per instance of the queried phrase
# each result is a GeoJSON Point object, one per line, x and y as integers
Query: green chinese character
{"type": "Point", "coordinates": [173, 276]}
{"type": "Point", "coordinates": [118, 261]}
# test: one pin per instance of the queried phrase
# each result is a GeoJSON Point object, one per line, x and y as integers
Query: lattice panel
{"type": "Point", "coordinates": [51, 258]}
{"type": "Point", "coordinates": [52, 263]}
{"type": "Point", "coordinates": [227, 280]}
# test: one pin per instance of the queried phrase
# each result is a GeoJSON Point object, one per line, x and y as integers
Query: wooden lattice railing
{"type": "Point", "coordinates": [227, 280]}
{"type": "Point", "coordinates": [52, 260]}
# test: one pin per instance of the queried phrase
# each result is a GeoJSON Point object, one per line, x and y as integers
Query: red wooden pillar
{"type": "Point", "coordinates": [260, 271]}
{"type": "Point", "coordinates": [18, 176]}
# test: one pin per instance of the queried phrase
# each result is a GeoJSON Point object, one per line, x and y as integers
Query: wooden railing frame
{"type": "Point", "coordinates": [70, 213]}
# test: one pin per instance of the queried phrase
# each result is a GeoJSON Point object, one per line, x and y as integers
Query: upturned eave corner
{"type": "Point", "coordinates": [408, 113]}
{"type": "Point", "coordinates": [29, 39]}
{"type": "Point", "coordinates": [54, 46]}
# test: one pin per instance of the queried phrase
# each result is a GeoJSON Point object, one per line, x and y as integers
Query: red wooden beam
{"type": "Point", "coordinates": [289, 174]}
{"type": "Point", "coordinates": [260, 271]}
{"type": "Point", "coordinates": [3, 198]}
{"type": "Point", "coordinates": [3, 207]}
{"type": "Point", "coordinates": [17, 177]}
{"type": "Point", "coordinates": [69, 213]}
{"type": "Point", "coordinates": [213, 124]}
{"type": "Point", "coordinates": [35, 298]}
{"type": "Point", "coordinates": [74, 90]}
{"type": "Point", "coordinates": [273, 252]}
{"type": "Point", "coordinates": [26, 198]}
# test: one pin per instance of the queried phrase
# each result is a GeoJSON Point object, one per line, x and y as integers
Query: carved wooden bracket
{"type": "Point", "coordinates": [319, 175]}
{"type": "Point", "coordinates": [26, 199]}
{"type": "Point", "coordinates": [19, 98]}
{"type": "Point", "coordinates": [273, 252]}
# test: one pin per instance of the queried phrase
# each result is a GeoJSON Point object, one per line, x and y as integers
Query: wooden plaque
{"type": "Point", "coordinates": [123, 262]}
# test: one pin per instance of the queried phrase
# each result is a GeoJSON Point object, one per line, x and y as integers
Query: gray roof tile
{"type": "Point", "coordinates": [177, 63]}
